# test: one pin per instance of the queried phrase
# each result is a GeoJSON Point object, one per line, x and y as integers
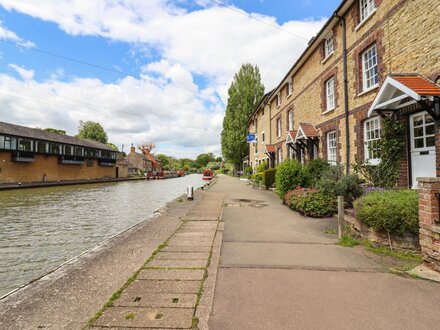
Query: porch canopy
{"type": "Point", "coordinates": [269, 150]}
{"type": "Point", "coordinates": [306, 132]}
{"type": "Point", "coordinates": [290, 139]}
{"type": "Point", "coordinates": [401, 90]}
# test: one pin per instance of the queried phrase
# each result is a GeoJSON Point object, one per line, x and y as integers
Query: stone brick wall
{"type": "Point", "coordinates": [429, 221]}
{"type": "Point", "coordinates": [48, 167]}
{"type": "Point", "coordinates": [262, 117]}
{"type": "Point", "coordinates": [405, 33]}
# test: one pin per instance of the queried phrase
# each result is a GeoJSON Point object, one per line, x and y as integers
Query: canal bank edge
{"type": "Point", "coordinates": [196, 226]}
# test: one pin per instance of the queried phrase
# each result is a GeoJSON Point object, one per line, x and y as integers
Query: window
{"type": "Point", "coordinates": [423, 131]}
{"type": "Point", "coordinates": [79, 151]}
{"type": "Point", "coordinates": [328, 46]}
{"type": "Point", "coordinates": [2, 142]}
{"type": "Point", "coordinates": [366, 8]}
{"type": "Point", "coordinates": [263, 137]}
{"type": "Point", "coordinates": [371, 138]}
{"type": "Point", "coordinates": [55, 148]}
{"type": "Point", "coordinates": [278, 100]}
{"type": "Point", "coordinates": [279, 127]}
{"type": "Point", "coordinates": [289, 152]}
{"type": "Point", "coordinates": [68, 150]}
{"type": "Point", "coordinates": [330, 93]}
{"type": "Point", "coordinates": [256, 125]}
{"type": "Point", "coordinates": [256, 147]}
{"type": "Point", "coordinates": [290, 120]}
{"type": "Point", "coordinates": [25, 145]}
{"type": "Point", "coordinates": [290, 87]}
{"type": "Point", "coordinates": [279, 155]}
{"type": "Point", "coordinates": [42, 147]}
{"type": "Point", "coordinates": [370, 73]}
{"type": "Point", "coordinates": [331, 147]}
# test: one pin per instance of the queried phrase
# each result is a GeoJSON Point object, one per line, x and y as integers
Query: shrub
{"type": "Point", "coordinates": [313, 203]}
{"type": "Point", "coordinates": [225, 170]}
{"type": "Point", "coordinates": [314, 170]}
{"type": "Point", "coordinates": [248, 170]}
{"type": "Point", "coordinates": [289, 175]}
{"type": "Point", "coordinates": [261, 167]}
{"type": "Point", "coordinates": [389, 211]}
{"type": "Point", "coordinates": [257, 178]}
{"type": "Point", "coordinates": [334, 182]}
{"type": "Point", "coordinates": [269, 177]}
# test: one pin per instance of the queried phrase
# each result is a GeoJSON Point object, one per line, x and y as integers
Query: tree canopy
{"type": "Point", "coordinates": [92, 131]}
{"type": "Point", "coordinates": [244, 94]}
{"type": "Point", "coordinates": [55, 130]}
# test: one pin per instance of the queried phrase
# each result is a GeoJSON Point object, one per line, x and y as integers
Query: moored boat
{"type": "Point", "coordinates": [207, 175]}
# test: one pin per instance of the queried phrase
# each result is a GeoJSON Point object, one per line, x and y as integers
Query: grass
{"type": "Point", "coordinates": [348, 241]}
{"type": "Point", "coordinates": [130, 316]}
{"type": "Point", "coordinates": [331, 231]}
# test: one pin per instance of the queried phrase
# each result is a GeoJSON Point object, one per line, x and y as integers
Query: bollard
{"type": "Point", "coordinates": [190, 193]}
{"type": "Point", "coordinates": [340, 215]}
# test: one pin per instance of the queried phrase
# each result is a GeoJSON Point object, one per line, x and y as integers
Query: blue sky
{"type": "Point", "coordinates": [179, 56]}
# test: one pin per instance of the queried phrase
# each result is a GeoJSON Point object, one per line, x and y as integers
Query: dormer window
{"type": "Point", "coordinates": [366, 8]}
{"type": "Point", "coordinates": [329, 46]}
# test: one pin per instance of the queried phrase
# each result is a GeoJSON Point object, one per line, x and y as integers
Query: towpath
{"type": "Point", "coordinates": [279, 270]}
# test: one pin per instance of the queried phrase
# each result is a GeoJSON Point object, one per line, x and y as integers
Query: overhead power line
{"type": "Point", "coordinates": [93, 65]}
{"type": "Point", "coordinates": [259, 20]}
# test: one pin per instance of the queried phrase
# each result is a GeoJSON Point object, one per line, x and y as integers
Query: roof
{"type": "Point", "coordinates": [418, 84]}
{"type": "Point", "coordinates": [306, 131]}
{"type": "Point", "coordinates": [39, 134]}
{"type": "Point", "coordinates": [401, 90]}
{"type": "Point", "coordinates": [270, 148]}
{"type": "Point", "coordinates": [291, 136]}
{"type": "Point", "coordinates": [265, 96]}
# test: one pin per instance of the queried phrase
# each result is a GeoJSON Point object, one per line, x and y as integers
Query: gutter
{"type": "Point", "coordinates": [346, 104]}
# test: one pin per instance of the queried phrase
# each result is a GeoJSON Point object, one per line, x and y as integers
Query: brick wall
{"type": "Point", "coordinates": [49, 167]}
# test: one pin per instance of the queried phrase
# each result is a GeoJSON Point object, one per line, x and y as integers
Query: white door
{"type": "Point", "coordinates": [422, 128]}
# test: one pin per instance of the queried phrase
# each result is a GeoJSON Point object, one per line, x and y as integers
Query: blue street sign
{"type": "Point", "coordinates": [250, 138]}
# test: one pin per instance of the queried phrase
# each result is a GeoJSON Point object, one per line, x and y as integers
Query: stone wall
{"type": "Point", "coordinates": [429, 221]}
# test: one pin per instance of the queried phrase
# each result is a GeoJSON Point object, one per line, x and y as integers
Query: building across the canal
{"type": "Point", "coordinates": [35, 155]}
{"type": "Point", "coordinates": [372, 59]}
{"type": "Point", "coordinates": [140, 163]}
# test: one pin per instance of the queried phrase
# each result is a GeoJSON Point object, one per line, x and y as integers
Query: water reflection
{"type": "Point", "coordinates": [43, 227]}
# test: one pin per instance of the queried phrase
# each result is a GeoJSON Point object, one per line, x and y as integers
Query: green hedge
{"type": "Point", "coordinates": [313, 203]}
{"type": "Point", "coordinates": [289, 175]}
{"type": "Point", "coordinates": [390, 211]}
{"type": "Point", "coordinates": [269, 177]}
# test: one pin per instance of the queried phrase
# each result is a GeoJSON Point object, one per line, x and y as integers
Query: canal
{"type": "Point", "coordinates": [43, 227]}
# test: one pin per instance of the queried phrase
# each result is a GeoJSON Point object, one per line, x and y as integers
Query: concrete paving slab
{"type": "Point", "coordinates": [195, 234]}
{"type": "Point", "coordinates": [177, 263]}
{"type": "Point", "coordinates": [157, 286]}
{"type": "Point", "coordinates": [213, 217]}
{"type": "Point", "coordinates": [163, 300]}
{"type": "Point", "coordinates": [189, 243]}
{"type": "Point", "coordinates": [301, 299]}
{"type": "Point", "coordinates": [182, 256]}
{"type": "Point", "coordinates": [279, 255]}
{"type": "Point", "coordinates": [146, 317]}
{"type": "Point", "coordinates": [171, 274]}
{"type": "Point", "coordinates": [186, 249]}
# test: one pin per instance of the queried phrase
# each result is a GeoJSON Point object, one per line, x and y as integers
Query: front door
{"type": "Point", "coordinates": [422, 132]}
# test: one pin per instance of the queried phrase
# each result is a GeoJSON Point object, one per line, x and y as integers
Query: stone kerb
{"type": "Point", "coordinates": [429, 221]}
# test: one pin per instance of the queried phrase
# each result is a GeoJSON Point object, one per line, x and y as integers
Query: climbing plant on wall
{"type": "Point", "coordinates": [390, 147]}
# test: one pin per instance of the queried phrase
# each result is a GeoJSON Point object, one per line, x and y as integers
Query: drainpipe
{"type": "Point", "coordinates": [270, 126]}
{"type": "Point", "coordinates": [346, 106]}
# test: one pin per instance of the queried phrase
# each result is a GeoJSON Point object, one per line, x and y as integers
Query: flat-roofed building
{"type": "Point", "coordinates": [35, 155]}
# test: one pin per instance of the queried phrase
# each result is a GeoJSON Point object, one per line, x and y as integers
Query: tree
{"type": "Point", "coordinates": [113, 146]}
{"type": "Point", "coordinates": [203, 159]}
{"type": "Point", "coordinates": [92, 131]}
{"type": "Point", "coordinates": [244, 94]}
{"type": "Point", "coordinates": [54, 130]}
{"type": "Point", "coordinates": [165, 160]}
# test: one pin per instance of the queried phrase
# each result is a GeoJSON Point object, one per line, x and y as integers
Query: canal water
{"type": "Point", "coordinates": [43, 227]}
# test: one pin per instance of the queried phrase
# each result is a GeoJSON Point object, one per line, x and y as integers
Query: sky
{"type": "Point", "coordinates": [147, 70]}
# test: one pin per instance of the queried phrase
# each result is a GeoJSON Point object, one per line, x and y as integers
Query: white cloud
{"type": "Point", "coordinates": [24, 73]}
{"type": "Point", "coordinates": [8, 35]}
{"type": "Point", "coordinates": [211, 43]}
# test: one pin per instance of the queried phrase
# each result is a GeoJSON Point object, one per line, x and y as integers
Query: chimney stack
{"type": "Point", "coordinates": [132, 149]}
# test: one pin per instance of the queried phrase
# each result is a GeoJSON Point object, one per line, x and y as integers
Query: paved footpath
{"type": "Point", "coordinates": [166, 291]}
{"type": "Point", "coordinates": [279, 270]}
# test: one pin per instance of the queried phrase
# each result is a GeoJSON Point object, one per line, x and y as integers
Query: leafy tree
{"type": "Point", "coordinates": [203, 159]}
{"type": "Point", "coordinates": [244, 94]}
{"type": "Point", "coordinates": [92, 131]}
{"type": "Point", "coordinates": [54, 130]}
{"type": "Point", "coordinates": [113, 146]}
{"type": "Point", "coordinates": [165, 160]}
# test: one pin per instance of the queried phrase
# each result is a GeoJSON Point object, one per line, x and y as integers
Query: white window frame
{"type": "Point", "coordinates": [329, 46]}
{"type": "Point", "coordinates": [263, 137]}
{"type": "Point", "coordinates": [290, 119]}
{"type": "Point", "coordinates": [332, 147]}
{"type": "Point", "coordinates": [278, 100]}
{"type": "Point", "coordinates": [330, 94]}
{"type": "Point", "coordinates": [290, 87]}
{"type": "Point", "coordinates": [370, 68]}
{"type": "Point", "coordinates": [279, 155]}
{"type": "Point", "coordinates": [366, 8]}
{"type": "Point", "coordinates": [424, 135]}
{"type": "Point", "coordinates": [279, 127]}
{"type": "Point", "coordinates": [371, 135]}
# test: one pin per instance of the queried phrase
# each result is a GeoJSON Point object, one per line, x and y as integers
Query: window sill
{"type": "Point", "coordinates": [361, 24]}
{"type": "Point", "coordinates": [289, 95]}
{"type": "Point", "coordinates": [372, 88]}
{"type": "Point", "coordinates": [327, 57]}
{"type": "Point", "coordinates": [372, 162]}
{"type": "Point", "coordinates": [278, 106]}
{"type": "Point", "coordinates": [328, 111]}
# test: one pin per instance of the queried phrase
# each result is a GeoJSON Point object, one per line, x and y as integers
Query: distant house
{"type": "Point", "coordinates": [34, 155]}
{"type": "Point", "coordinates": [137, 163]}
